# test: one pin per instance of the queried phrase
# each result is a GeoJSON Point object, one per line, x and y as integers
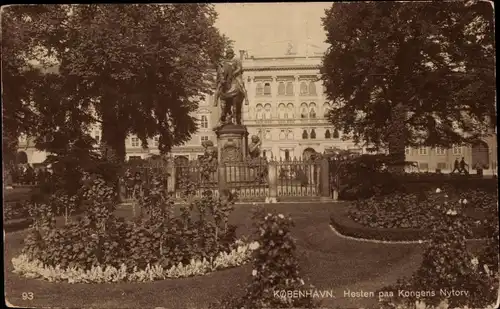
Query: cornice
{"type": "Point", "coordinates": [283, 68]}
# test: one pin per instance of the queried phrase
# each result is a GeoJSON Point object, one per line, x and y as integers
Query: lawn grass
{"type": "Point", "coordinates": [328, 261]}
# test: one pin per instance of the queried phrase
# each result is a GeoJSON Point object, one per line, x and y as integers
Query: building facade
{"type": "Point", "coordinates": [287, 109]}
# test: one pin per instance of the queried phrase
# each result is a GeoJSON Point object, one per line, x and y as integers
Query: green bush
{"type": "Point", "coordinates": [400, 210]}
{"type": "Point", "coordinates": [448, 265]}
{"type": "Point", "coordinates": [155, 237]}
{"type": "Point", "coordinates": [275, 268]}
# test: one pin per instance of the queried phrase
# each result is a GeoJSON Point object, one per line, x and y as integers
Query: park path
{"type": "Point", "coordinates": [328, 261]}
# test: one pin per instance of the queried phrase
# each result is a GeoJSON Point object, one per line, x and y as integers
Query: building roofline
{"type": "Point", "coordinates": [282, 68]}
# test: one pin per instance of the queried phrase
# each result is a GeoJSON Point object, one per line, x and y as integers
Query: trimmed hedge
{"type": "Point", "coordinates": [340, 220]}
{"type": "Point", "coordinates": [417, 183]}
{"type": "Point", "coordinates": [17, 224]}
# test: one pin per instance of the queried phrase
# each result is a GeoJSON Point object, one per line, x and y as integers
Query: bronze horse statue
{"type": "Point", "coordinates": [231, 92]}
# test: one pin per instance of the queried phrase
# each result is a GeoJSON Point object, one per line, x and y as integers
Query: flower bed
{"type": "Point", "coordinates": [412, 211]}
{"type": "Point", "coordinates": [341, 221]}
{"type": "Point", "coordinates": [105, 274]}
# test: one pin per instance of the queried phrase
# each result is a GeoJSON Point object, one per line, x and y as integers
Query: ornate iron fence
{"type": "Point", "coordinates": [252, 179]}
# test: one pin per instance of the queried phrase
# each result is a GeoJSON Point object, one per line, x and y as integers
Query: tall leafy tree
{"type": "Point", "coordinates": [408, 74]}
{"type": "Point", "coordinates": [132, 69]}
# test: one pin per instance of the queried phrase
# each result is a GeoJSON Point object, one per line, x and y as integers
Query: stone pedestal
{"type": "Point", "coordinates": [231, 150]}
{"type": "Point", "coordinates": [232, 141]}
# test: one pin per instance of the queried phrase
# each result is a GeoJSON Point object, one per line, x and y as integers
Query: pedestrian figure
{"type": "Point", "coordinates": [456, 166]}
{"type": "Point", "coordinates": [462, 166]}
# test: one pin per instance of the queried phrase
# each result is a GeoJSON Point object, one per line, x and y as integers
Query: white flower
{"type": "Point", "coordinates": [464, 201]}
{"type": "Point", "coordinates": [475, 261]}
{"type": "Point", "coordinates": [254, 245]}
{"type": "Point", "coordinates": [281, 216]}
{"type": "Point", "coordinates": [420, 241]}
{"type": "Point", "coordinates": [460, 201]}
{"type": "Point", "coordinates": [446, 195]}
{"type": "Point", "coordinates": [302, 282]}
{"type": "Point", "coordinates": [254, 272]}
{"type": "Point", "coordinates": [486, 269]}
{"type": "Point", "coordinates": [438, 190]}
{"type": "Point", "coordinates": [451, 212]}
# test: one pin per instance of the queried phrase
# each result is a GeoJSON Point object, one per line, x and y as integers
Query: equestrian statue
{"type": "Point", "coordinates": [230, 89]}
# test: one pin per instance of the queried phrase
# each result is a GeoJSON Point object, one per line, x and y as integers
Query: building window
{"type": "Point", "coordinates": [287, 154]}
{"type": "Point", "coordinates": [281, 88]}
{"type": "Point", "coordinates": [312, 110]}
{"type": "Point", "coordinates": [264, 153]}
{"type": "Point", "coordinates": [336, 133]}
{"type": "Point", "coordinates": [303, 88]}
{"type": "Point", "coordinates": [305, 135]}
{"type": "Point", "coordinates": [290, 113]}
{"type": "Point", "coordinates": [289, 135]}
{"type": "Point", "coordinates": [281, 111]}
{"type": "Point", "coordinates": [407, 151]}
{"type": "Point", "coordinates": [289, 88]}
{"type": "Point", "coordinates": [422, 151]}
{"type": "Point", "coordinates": [442, 165]}
{"type": "Point", "coordinates": [267, 89]}
{"type": "Point", "coordinates": [134, 141]}
{"type": "Point", "coordinates": [156, 141]}
{"type": "Point", "coordinates": [440, 151]}
{"type": "Point", "coordinates": [259, 89]}
{"type": "Point", "coordinates": [267, 109]}
{"type": "Point", "coordinates": [423, 165]}
{"type": "Point", "coordinates": [204, 139]}
{"type": "Point", "coordinates": [282, 134]}
{"type": "Point", "coordinates": [313, 134]}
{"type": "Point", "coordinates": [457, 150]}
{"type": "Point", "coordinates": [326, 110]}
{"type": "Point", "coordinates": [327, 134]}
{"type": "Point", "coordinates": [303, 110]}
{"type": "Point", "coordinates": [312, 88]}
{"type": "Point", "coordinates": [204, 122]}
{"type": "Point", "coordinates": [268, 134]}
{"type": "Point", "coordinates": [259, 133]}
{"type": "Point", "coordinates": [259, 113]}
{"type": "Point", "coordinates": [132, 158]}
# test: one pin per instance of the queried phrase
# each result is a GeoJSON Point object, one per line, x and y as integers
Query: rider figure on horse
{"type": "Point", "coordinates": [230, 87]}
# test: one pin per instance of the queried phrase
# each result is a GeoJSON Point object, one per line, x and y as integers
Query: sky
{"type": "Point", "coordinates": [267, 28]}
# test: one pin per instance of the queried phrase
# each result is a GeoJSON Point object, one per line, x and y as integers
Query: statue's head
{"type": "Point", "coordinates": [229, 53]}
{"type": "Point", "coordinates": [255, 139]}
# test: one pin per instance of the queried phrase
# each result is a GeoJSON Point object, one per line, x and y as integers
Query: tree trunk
{"type": "Point", "coordinates": [397, 139]}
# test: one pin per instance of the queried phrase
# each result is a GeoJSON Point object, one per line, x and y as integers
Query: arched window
{"type": "Point", "coordinates": [264, 153]}
{"type": "Point", "coordinates": [313, 134]}
{"type": "Point", "coordinates": [259, 112]}
{"type": "Point", "coordinates": [327, 134]}
{"type": "Point", "coordinates": [282, 111]}
{"type": "Point", "coordinates": [336, 133]}
{"type": "Point", "coordinates": [290, 113]}
{"type": "Point", "coordinates": [267, 89]}
{"type": "Point", "coordinates": [312, 110]}
{"type": "Point", "coordinates": [268, 135]}
{"type": "Point", "coordinates": [259, 90]}
{"type": "Point", "coordinates": [282, 134]}
{"type": "Point", "coordinates": [304, 134]}
{"type": "Point", "coordinates": [289, 135]}
{"type": "Point", "coordinates": [267, 109]}
{"type": "Point", "coordinates": [289, 88]}
{"type": "Point", "coordinates": [281, 88]}
{"type": "Point", "coordinates": [303, 110]}
{"type": "Point", "coordinates": [326, 109]}
{"type": "Point", "coordinates": [312, 88]}
{"type": "Point", "coordinates": [303, 88]}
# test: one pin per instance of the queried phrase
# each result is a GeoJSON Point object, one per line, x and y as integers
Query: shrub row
{"type": "Point", "coordinates": [339, 219]}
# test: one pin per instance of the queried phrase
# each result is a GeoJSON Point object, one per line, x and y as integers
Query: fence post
{"type": "Point", "coordinates": [273, 182]}
{"type": "Point", "coordinates": [222, 178]}
{"type": "Point", "coordinates": [171, 176]}
{"type": "Point", "coordinates": [121, 190]}
{"type": "Point", "coordinates": [325, 179]}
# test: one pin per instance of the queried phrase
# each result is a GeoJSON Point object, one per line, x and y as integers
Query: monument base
{"type": "Point", "coordinates": [232, 141]}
